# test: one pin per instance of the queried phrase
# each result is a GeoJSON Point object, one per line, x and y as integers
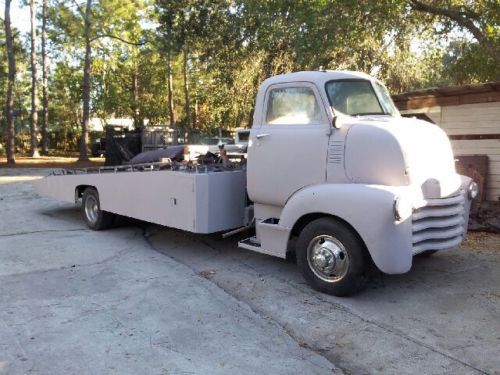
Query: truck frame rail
{"type": "Point", "coordinates": [152, 167]}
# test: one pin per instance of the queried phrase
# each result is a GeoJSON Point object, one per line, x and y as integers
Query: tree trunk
{"type": "Point", "coordinates": [135, 94]}
{"type": "Point", "coordinates": [45, 68]}
{"type": "Point", "coordinates": [171, 112]}
{"type": "Point", "coordinates": [10, 130]}
{"type": "Point", "coordinates": [195, 114]}
{"type": "Point", "coordinates": [187, 105]}
{"type": "Point", "coordinates": [86, 86]}
{"type": "Point", "coordinates": [65, 137]}
{"type": "Point", "coordinates": [170, 93]}
{"type": "Point", "coordinates": [34, 92]}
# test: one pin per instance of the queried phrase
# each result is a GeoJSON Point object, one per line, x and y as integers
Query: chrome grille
{"type": "Point", "coordinates": [439, 224]}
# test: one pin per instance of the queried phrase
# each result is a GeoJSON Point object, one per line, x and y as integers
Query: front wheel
{"type": "Point", "coordinates": [95, 218]}
{"type": "Point", "coordinates": [426, 254]}
{"type": "Point", "coordinates": [331, 257]}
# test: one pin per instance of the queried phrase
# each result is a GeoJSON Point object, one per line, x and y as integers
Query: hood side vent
{"type": "Point", "coordinates": [335, 152]}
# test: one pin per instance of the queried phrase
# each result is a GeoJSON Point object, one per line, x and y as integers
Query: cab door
{"type": "Point", "coordinates": [288, 143]}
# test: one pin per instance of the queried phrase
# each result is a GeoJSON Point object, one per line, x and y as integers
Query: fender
{"type": "Point", "coordinates": [368, 209]}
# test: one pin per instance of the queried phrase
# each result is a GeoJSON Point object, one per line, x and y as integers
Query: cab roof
{"type": "Point", "coordinates": [319, 77]}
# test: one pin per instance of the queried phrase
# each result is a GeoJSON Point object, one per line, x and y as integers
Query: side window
{"type": "Point", "coordinates": [293, 105]}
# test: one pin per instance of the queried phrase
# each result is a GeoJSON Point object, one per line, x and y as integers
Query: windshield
{"type": "Point", "coordinates": [243, 136]}
{"type": "Point", "coordinates": [210, 141]}
{"type": "Point", "coordinates": [385, 99]}
{"type": "Point", "coordinates": [214, 141]}
{"type": "Point", "coordinates": [358, 97]}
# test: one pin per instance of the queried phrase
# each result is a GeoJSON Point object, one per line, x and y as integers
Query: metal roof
{"type": "Point", "coordinates": [450, 91]}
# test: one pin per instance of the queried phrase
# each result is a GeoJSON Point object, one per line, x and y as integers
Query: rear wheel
{"type": "Point", "coordinates": [95, 218]}
{"type": "Point", "coordinates": [331, 257]}
{"type": "Point", "coordinates": [426, 254]}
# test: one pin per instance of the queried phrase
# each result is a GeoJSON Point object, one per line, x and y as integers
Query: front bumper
{"type": "Point", "coordinates": [433, 224]}
{"type": "Point", "coordinates": [441, 223]}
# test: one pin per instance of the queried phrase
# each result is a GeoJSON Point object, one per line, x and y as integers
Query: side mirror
{"type": "Point", "coordinates": [337, 122]}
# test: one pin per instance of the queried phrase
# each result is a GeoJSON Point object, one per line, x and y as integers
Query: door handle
{"type": "Point", "coordinates": [259, 136]}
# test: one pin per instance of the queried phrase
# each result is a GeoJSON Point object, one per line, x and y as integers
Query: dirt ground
{"type": "Point", "coordinates": [75, 301]}
{"type": "Point", "coordinates": [140, 298]}
{"type": "Point", "coordinates": [482, 240]}
{"type": "Point", "coordinates": [52, 162]}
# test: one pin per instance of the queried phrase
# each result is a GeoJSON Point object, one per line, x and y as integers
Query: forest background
{"type": "Point", "coordinates": [195, 65]}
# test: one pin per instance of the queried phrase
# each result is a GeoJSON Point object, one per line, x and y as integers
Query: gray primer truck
{"type": "Point", "coordinates": [332, 169]}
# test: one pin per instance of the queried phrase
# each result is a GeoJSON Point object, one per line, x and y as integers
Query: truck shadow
{"type": "Point", "coordinates": [458, 271]}
{"type": "Point", "coordinates": [68, 214]}
{"type": "Point", "coordinates": [214, 254]}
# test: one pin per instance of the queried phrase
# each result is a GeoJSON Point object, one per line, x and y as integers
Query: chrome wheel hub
{"type": "Point", "coordinates": [91, 209]}
{"type": "Point", "coordinates": [327, 258]}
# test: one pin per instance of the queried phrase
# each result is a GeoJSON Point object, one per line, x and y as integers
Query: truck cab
{"type": "Point", "coordinates": [333, 165]}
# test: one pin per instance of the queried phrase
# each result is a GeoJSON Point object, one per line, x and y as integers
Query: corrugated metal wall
{"type": "Point", "coordinates": [491, 148]}
{"type": "Point", "coordinates": [480, 118]}
{"type": "Point", "coordinates": [472, 119]}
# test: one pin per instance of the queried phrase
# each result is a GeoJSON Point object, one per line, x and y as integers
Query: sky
{"type": "Point", "coordinates": [20, 17]}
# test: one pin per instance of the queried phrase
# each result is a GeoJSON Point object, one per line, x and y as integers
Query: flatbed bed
{"type": "Point", "coordinates": [200, 199]}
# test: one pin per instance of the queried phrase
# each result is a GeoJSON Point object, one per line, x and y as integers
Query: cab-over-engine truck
{"type": "Point", "coordinates": [331, 164]}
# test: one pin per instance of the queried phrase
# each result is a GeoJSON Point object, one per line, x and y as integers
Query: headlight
{"type": "Point", "coordinates": [473, 190]}
{"type": "Point", "coordinates": [402, 209]}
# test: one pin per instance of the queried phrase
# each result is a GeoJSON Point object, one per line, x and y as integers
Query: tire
{"type": "Point", "coordinates": [94, 217]}
{"type": "Point", "coordinates": [95, 150]}
{"type": "Point", "coordinates": [339, 267]}
{"type": "Point", "coordinates": [426, 254]}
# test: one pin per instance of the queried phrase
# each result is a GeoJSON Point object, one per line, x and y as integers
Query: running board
{"type": "Point", "coordinates": [251, 243]}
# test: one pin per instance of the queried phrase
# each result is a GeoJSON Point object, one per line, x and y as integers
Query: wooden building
{"type": "Point", "coordinates": [470, 115]}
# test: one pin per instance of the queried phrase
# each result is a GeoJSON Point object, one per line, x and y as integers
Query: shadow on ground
{"type": "Point", "coordinates": [441, 317]}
